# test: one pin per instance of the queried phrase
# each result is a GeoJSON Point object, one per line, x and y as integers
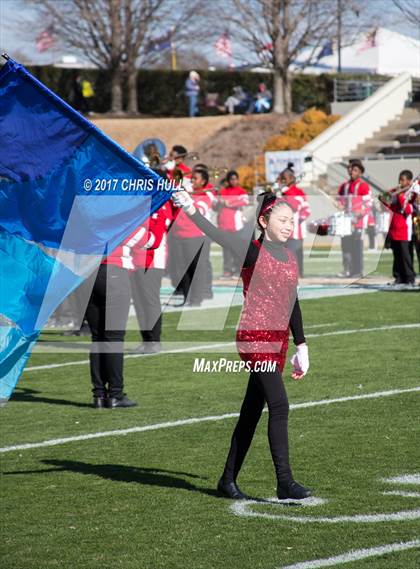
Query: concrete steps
{"type": "Point", "coordinates": [386, 136]}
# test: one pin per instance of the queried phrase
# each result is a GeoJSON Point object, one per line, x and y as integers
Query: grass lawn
{"type": "Point", "coordinates": [146, 500]}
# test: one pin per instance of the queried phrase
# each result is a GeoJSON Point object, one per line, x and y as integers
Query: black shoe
{"type": "Point", "coordinates": [99, 402]}
{"type": "Point", "coordinates": [230, 490]}
{"type": "Point", "coordinates": [124, 401]}
{"type": "Point", "coordinates": [292, 490]}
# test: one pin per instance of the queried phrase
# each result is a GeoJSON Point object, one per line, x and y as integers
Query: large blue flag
{"type": "Point", "coordinates": [68, 194]}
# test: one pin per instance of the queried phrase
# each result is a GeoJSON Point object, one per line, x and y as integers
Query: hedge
{"type": "Point", "coordinates": [160, 92]}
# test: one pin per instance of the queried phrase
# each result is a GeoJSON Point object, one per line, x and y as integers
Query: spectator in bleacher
{"type": "Point", "coordinates": [232, 199]}
{"type": "Point", "coordinates": [400, 230]}
{"type": "Point", "coordinates": [192, 91]}
{"type": "Point", "coordinates": [262, 100]}
{"type": "Point", "coordinates": [298, 200]}
{"type": "Point", "coordinates": [238, 102]}
{"type": "Point", "coordinates": [355, 198]}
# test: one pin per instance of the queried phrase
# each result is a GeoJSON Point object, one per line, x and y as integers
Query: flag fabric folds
{"type": "Point", "coordinates": [68, 194]}
{"type": "Point", "coordinates": [223, 46]}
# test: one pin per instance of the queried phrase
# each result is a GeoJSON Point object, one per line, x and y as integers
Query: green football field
{"type": "Point", "coordinates": [135, 488]}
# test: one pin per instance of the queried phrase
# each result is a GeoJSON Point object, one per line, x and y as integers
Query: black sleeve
{"type": "Point", "coordinates": [296, 324]}
{"type": "Point", "coordinates": [236, 243]}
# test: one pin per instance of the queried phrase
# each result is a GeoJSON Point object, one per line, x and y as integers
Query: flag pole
{"type": "Point", "coordinates": [173, 56]}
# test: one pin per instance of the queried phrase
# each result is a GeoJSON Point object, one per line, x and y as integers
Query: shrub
{"type": "Point", "coordinates": [301, 131]}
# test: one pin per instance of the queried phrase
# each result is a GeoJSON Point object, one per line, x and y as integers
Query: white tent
{"type": "Point", "coordinates": [389, 53]}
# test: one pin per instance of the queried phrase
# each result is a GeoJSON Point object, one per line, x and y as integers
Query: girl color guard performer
{"type": "Point", "coordinates": [270, 277]}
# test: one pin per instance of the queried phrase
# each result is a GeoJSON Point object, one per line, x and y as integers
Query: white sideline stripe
{"type": "Point", "coordinates": [209, 346]}
{"type": "Point", "coordinates": [402, 494]}
{"type": "Point", "coordinates": [195, 420]}
{"type": "Point", "coordinates": [354, 555]}
{"type": "Point", "coordinates": [242, 508]}
{"type": "Point", "coordinates": [404, 479]}
{"type": "Point", "coordinates": [375, 329]}
{"type": "Point", "coordinates": [310, 326]}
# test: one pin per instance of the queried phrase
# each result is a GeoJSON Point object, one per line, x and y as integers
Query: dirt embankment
{"type": "Point", "coordinates": [191, 133]}
{"type": "Point", "coordinates": [240, 142]}
{"type": "Point", "coordinates": [220, 141]}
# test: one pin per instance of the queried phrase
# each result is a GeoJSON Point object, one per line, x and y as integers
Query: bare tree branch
{"type": "Point", "coordinates": [410, 9]}
{"type": "Point", "coordinates": [115, 34]}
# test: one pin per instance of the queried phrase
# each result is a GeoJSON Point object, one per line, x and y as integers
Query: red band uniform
{"type": "Point", "coordinates": [230, 218]}
{"type": "Point", "coordinates": [400, 235]}
{"type": "Point", "coordinates": [356, 198]}
{"type": "Point", "coordinates": [107, 314]}
{"type": "Point", "coordinates": [298, 200]}
{"type": "Point", "coordinates": [146, 278]}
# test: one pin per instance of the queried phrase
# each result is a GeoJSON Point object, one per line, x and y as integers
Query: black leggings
{"type": "Point", "coordinates": [262, 387]}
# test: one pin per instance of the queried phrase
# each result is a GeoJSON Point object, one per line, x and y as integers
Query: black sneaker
{"type": "Point", "coordinates": [99, 402]}
{"type": "Point", "coordinates": [230, 490]}
{"type": "Point", "coordinates": [124, 401]}
{"type": "Point", "coordinates": [292, 490]}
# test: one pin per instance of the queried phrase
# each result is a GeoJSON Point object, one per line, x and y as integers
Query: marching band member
{"type": "Point", "coordinates": [146, 279]}
{"type": "Point", "coordinates": [175, 162]}
{"type": "Point", "coordinates": [189, 246]}
{"type": "Point", "coordinates": [270, 277]}
{"type": "Point", "coordinates": [297, 198]}
{"type": "Point", "coordinates": [400, 229]}
{"type": "Point", "coordinates": [211, 192]}
{"type": "Point", "coordinates": [415, 242]}
{"type": "Point", "coordinates": [107, 314]}
{"type": "Point", "coordinates": [232, 198]}
{"type": "Point", "coordinates": [355, 198]}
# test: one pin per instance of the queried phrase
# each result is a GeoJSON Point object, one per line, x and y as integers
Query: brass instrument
{"type": "Point", "coordinates": [151, 152]}
{"type": "Point", "coordinates": [416, 226]}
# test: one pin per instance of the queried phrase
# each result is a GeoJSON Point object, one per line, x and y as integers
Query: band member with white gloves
{"type": "Point", "coordinates": [355, 198]}
{"type": "Point", "coordinates": [270, 277]}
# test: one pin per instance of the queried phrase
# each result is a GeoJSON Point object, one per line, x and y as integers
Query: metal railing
{"type": "Point", "coordinates": [355, 90]}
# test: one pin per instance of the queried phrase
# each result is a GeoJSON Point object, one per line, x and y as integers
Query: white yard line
{"type": "Point", "coordinates": [354, 555]}
{"type": "Point", "coordinates": [195, 420]}
{"type": "Point", "coordinates": [197, 348]}
{"type": "Point", "coordinates": [360, 330]}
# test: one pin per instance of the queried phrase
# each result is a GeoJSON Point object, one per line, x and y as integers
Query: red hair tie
{"type": "Point", "coordinates": [278, 201]}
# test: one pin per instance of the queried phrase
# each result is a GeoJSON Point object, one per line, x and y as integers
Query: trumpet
{"type": "Point", "coordinates": [413, 190]}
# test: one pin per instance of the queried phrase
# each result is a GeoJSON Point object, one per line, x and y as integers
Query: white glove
{"type": "Point", "coordinates": [183, 200]}
{"type": "Point", "coordinates": [300, 361]}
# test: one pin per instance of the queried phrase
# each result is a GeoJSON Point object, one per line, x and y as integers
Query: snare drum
{"type": "Point", "coordinates": [382, 222]}
{"type": "Point", "coordinates": [340, 224]}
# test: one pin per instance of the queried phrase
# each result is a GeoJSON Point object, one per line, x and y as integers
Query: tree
{"type": "Point", "coordinates": [410, 9]}
{"type": "Point", "coordinates": [276, 31]}
{"type": "Point", "coordinates": [114, 35]}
